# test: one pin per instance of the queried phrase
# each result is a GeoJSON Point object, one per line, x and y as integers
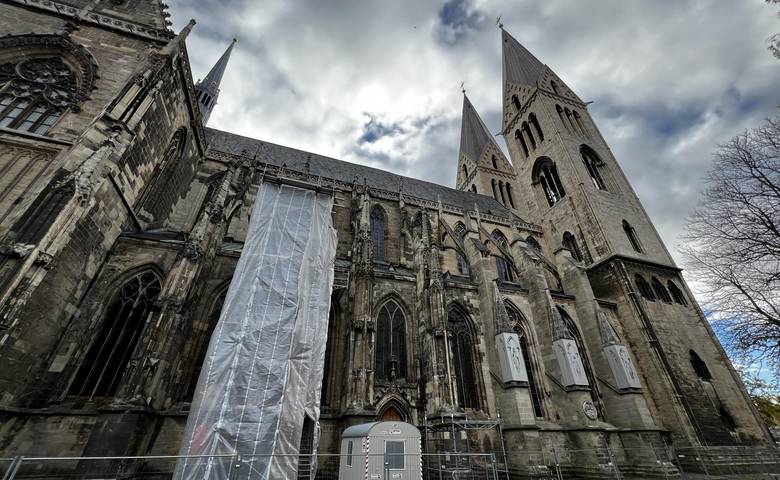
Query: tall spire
{"type": "Point", "coordinates": [208, 89]}
{"type": "Point", "coordinates": [474, 135]}
{"type": "Point", "coordinates": [519, 65]}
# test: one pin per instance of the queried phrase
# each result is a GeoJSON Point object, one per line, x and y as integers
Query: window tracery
{"type": "Point", "coordinates": [390, 360]}
{"type": "Point", "coordinates": [462, 355]}
{"type": "Point", "coordinates": [546, 174]}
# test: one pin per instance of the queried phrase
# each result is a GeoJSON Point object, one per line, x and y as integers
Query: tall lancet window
{"type": "Point", "coordinates": [632, 237]}
{"type": "Point", "coordinates": [34, 92]}
{"type": "Point", "coordinates": [390, 360]}
{"type": "Point", "coordinates": [546, 174]}
{"type": "Point", "coordinates": [462, 358]}
{"type": "Point", "coordinates": [123, 323]}
{"type": "Point", "coordinates": [378, 233]}
{"type": "Point", "coordinates": [592, 163]}
{"type": "Point", "coordinates": [570, 243]}
{"type": "Point", "coordinates": [519, 325]}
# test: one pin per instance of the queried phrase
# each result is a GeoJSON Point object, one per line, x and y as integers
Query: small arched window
{"type": "Point", "coordinates": [465, 171]}
{"type": "Point", "coordinates": [632, 238]}
{"type": "Point", "coordinates": [460, 230]}
{"type": "Point", "coordinates": [554, 87]}
{"type": "Point", "coordinates": [474, 189]}
{"type": "Point", "coordinates": [534, 243]}
{"type": "Point", "coordinates": [123, 323]}
{"type": "Point", "coordinates": [578, 119]}
{"type": "Point", "coordinates": [570, 243]}
{"type": "Point", "coordinates": [509, 195]}
{"type": "Point", "coordinates": [567, 114]}
{"type": "Point", "coordinates": [535, 122]}
{"type": "Point", "coordinates": [592, 163]}
{"type": "Point", "coordinates": [505, 270]}
{"type": "Point", "coordinates": [523, 145]}
{"type": "Point", "coordinates": [495, 191]}
{"type": "Point", "coordinates": [560, 116]}
{"type": "Point", "coordinates": [519, 325]}
{"type": "Point", "coordinates": [378, 233]}
{"type": "Point", "coordinates": [546, 174]}
{"type": "Point", "coordinates": [462, 359]}
{"type": "Point", "coordinates": [527, 130]}
{"type": "Point", "coordinates": [660, 290]}
{"type": "Point", "coordinates": [495, 163]}
{"type": "Point", "coordinates": [699, 366]}
{"type": "Point", "coordinates": [390, 361]}
{"type": "Point", "coordinates": [516, 102]}
{"type": "Point", "coordinates": [677, 294]}
{"type": "Point", "coordinates": [501, 191]}
{"type": "Point", "coordinates": [462, 264]}
{"type": "Point", "coordinates": [644, 287]}
{"type": "Point", "coordinates": [34, 93]}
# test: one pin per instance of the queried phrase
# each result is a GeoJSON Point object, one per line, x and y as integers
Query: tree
{"type": "Point", "coordinates": [773, 42]}
{"type": "Point", "coordinates": [732, 244]}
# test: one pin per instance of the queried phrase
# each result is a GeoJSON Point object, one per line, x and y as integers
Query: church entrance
{"type": "Point", "coordinates": [391, 414]}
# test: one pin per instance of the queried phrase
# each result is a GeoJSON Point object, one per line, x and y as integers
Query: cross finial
{"type": "Point", "coordinates": [498, 22]}
{"type": "Point", "coordinates": [462, 87]}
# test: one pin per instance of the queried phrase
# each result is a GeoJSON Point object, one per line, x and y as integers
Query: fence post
{"type": "Point", "coordinates": [13, 468]}
{"type": "Point", "coordinates": [493, 462]}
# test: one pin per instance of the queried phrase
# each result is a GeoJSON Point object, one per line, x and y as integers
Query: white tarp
{"type": "Point", "coordinates": [264, 366]}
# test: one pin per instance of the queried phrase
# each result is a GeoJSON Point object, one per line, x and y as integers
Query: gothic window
{"type": "Point", "coordinates": [474, 189]}
{"type": "Point", "coordinates": [519, 137]}
{"type": "Point", "coordinates": [644, 287]}
{"type": "Point", "coordinates": [570, 243]}
{"type": "Point", "coordinates": [500, 239]}
{"type": "Point", "coordinates": [660, 290]}
{"type": "Point", "coordinates": [123, 322]}
{"type": "Point", "coordinates": [501, 191]}
{"type": "Point", "coordinates": [519, 325]}
{"type": "Point", "coordinates": [462, 356]}
{"type": "Point", "coordinates": [592, 163]}
{"type": "Point", "coordinates": [699, 366]}
{"type": "Point", "coordinates": [509, 195]}
{"type": "Point", "coordinates": [575, 334]}
{"type": "Point", "coordinates": [460, 230]}
{"type": "Point", "coordinates": [516, 102]}
{"type": "Point", "coordinates": [203, 343]}
{"type": "Point", "coordinates": [504, 268]}
{"type": "Point", "coordinates": [390, 343]}
{"type": "Point", "coordinates": [494, 161]}
{"type": "Point", "coordinates": [546, 174]}
{"type": "Point", "coordinates": [465, 171]}
{"type": "Point", "coordinates": [34, 92]}
{"type": "Point", "coordinates": [560, 116]}
{"type": "Point", "coordinates": [554, 87]}
{"type": "Point", "coordinates": [527, 130]}
{"type": "Point", "coordinates": [578, 119]}
{"type": "Point", "coordinates": [632, 238]}
{"type": "Point", "coordinates": [463, 265]}
{"type": "Point", "coordinates": [534, 243]}
{"type": "Point", "coordinates": [677, 294]}
{"type": "Point", "coordinates": [378, 233]}
{"type": "Point", "coordinates": [494, 185]}
{"type": "Point", "coordinates": [166, 181]}
{"type": "Point", "coordinates": [535, 122]}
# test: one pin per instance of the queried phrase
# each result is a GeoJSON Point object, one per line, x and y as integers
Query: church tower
{"type": "Point", "coordinates": [207, 90]}
{"type": "Point", "coordinates": [569, 182]}
{"type": "Point", "coordinates": [482, 166]}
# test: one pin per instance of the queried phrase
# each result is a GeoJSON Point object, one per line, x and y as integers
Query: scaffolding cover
{"type": "Point", "coordinates": [263, 369]}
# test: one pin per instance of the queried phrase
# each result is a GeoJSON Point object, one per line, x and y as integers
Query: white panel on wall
{"type": "Point", "coordinates": [570, 362]}
{"type": "Point", "coordinates": [510, 358]}
{"type": "Point", "coordinates": [622, 367]}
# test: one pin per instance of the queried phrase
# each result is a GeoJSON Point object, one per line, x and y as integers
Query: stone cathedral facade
{"type": "Point", "coordinates": [537, 291]}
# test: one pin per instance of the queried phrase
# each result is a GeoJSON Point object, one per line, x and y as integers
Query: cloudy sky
{"type": "Point", "coordinates": [378, 82]}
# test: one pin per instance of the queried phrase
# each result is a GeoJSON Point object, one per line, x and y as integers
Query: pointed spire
{"type": "Point", "coordinates": [474, 135]}
{"type": "Point", "coordinates": [208, 89]}
{"type": "Point", "coordinates": [519, 65]}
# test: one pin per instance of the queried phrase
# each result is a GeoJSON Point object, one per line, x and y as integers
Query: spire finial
{"type": "Point", "coordinates": [463, 87]}
{"type": "Point", "coordinates": [499, 23]}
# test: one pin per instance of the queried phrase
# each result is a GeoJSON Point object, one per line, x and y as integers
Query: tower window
{"type": "Point", "coordinates": [495, 163]}
{"type": "Point", "coordinates": [474, 188]}
{"type": "Point", "coordinates": [578, 119]}
{"type": "Point", "coordinates": [523, 145]}
{"type": "Point", "coordinates": [699, 366]}
{"type": "Point", "coordinates": [390, 342]}
{"type": "Point", "coordinates": [644, 287]}
{"type": "Point", "coordinates": [527, 130]}
{"type": "Point", "coordinates": [378, 233]}
{"type": "Point", "coordinates": [495, 192]}
{"type": "Point", "coordinates": [546, 174]}
{"type": "Point", "coordinates": [632, 238]}
{"type": "Point", "coordinates": [123, 322]}
{"type": "Point", "coordinates": [560, 116]}
{"type": "Point", "coordinates": [660, 290]}
{"type": "Point", "coordinates": [535, 122]}
{"type": "Point", "coordinates": [554, 87]}
{"type": "Point", "coordinates": [34, 92]}
{"type": "Point", "coordinates": [677, 294]}
{"type": "Point", "coordinates": [592, 163]}
{"type": "Point", "coordinates": [465, 171]}
{"type": "Point", "coordinates": [509, 195]}
{"type": "Point", "coordinates": [570, 243]}
{"type": "Point", "coordinates": [516, 102]}
{"type": "Point", "coordinates": [501, 190]}
{"type": "Point", "coordinates": [462, 359]}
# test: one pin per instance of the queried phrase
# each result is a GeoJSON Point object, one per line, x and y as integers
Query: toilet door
{"type": "Point", "coordinates": [396, 463]}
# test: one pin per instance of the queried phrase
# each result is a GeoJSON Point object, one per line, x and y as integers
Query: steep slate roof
{"type": "Point", "coordinates": [150, 13]}
{"type": "Point", "coordinates": [345, 171]}
{"type": "Point", "coordinates": [519, 65]}
{"type": "Point", "coordinates": [474, 135]}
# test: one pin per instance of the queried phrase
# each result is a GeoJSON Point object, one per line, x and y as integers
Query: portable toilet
{"type": "Point", "coordinates": [380, 451]}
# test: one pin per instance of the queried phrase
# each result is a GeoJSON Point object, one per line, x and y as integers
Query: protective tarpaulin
{"type": "Point", "coordinates": [263, 370]}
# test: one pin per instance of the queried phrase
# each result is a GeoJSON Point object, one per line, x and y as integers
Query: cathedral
{"type": "Point", "coordinates": [532, 306]}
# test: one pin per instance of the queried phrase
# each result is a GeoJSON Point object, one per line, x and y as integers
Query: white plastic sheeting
{"type": "Point", "coordinates": [264, 366]}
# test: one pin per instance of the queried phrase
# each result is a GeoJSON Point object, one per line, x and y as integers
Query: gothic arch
{"type": "Point", "coordinates": [545, 173]}
{"type": "Point", "coordinates": [522, 327]}
{"type": "Point", "coordinates": [164, 184]}
{"type": "Point", "coordinates": [393, 402]}
{"type": "Point", "coordinates": [392, 339]}
{"type": "Point", "coordinates": [465, 357]}
{"type": "Point", "coordinates": [593, 164]}
{"type": "Point", "coordinates": [378, 226]}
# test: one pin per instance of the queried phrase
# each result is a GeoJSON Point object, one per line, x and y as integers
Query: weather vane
{"type": "Point", "coordinates": [462, 88]}
{"type": "Point", "coordinates": [498, 22]}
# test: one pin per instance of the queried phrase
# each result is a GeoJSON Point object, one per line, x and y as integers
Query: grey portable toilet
{"type": "Point", "coordinates": [380, 451]}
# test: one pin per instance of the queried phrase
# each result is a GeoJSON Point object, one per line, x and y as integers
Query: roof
{"type": "Point", "coordinates": [474, 135]}
{"type": "Point", "coordinates": [361, 430]}
{"type": "Point", "coordinates": [519, 65]}
{"type": "Point", "coordinates": [364, 429]}
{"type": "Point", "coordinates": [341, 170]}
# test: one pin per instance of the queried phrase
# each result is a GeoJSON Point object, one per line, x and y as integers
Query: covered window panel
{"type": "Point", "coordinates": [378, 233]}
{"type": "Point", "coordinates": [519, 325]}
{"type": "Point", "coordinates": [390, 356]}
{"type": "Point", "coordinates": [123, 322]}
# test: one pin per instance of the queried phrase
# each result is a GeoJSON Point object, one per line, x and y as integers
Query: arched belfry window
{"type": "Point", "coordinates": [580, 125]}
{"type": "Point", "coordinates": [494, 161]}
{"type": "Point", "coordinates": [123, 322]}
{"type": "Point", "coordinates": [378, 233]}
{"type": "Point", "coordinates": [520, 138]}
{"type": "Point", "coordinates": [462, 356]}
{"type": "Point", "coordinates": [592, 163]}
{"type": "Point", "coordinates": [560, 116]}
{"type": "Point", "coordinates": [677, 294]}
{"type": "Point", "coordinates": [527, 130]}
{"type": "Point", "coordinates": [465, 171]}
{"type": "Point", "coordinates": [538, 128]}
{"type": "Point", "coordinates": [509, 195]}
{"type": "Point", "coordinates": [203, 342]}
{"type": "Point", "coordinates": [546, 174]}
{"type": "Point", "coordinates": [644, 287]}
{"type": "Point", "coordinates": [554, 87]}
{"type": "Point", "coordinates": [632, 238]}
{"type": "Point", "coordinates": [699, 366]}
{"type": "Point", "coordinates": [390, 359]}
{"type": "Point", "coordinates": [660, 290]}
{"type": "Point", "coordinates": [570, 243]}
{"type": "Point", "coordinates": [516, 102]}
{"type": "Point", "coordinates": [519, 325]}
{"type": "Point", "coordinates": [34, 93]}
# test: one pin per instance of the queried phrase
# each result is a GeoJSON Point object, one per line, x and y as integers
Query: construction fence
{"type": "Point", "coordinates": [557, 464]}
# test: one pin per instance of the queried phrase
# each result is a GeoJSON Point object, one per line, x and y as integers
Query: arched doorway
{"type": "Point", "coordinates": [391, 414]}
